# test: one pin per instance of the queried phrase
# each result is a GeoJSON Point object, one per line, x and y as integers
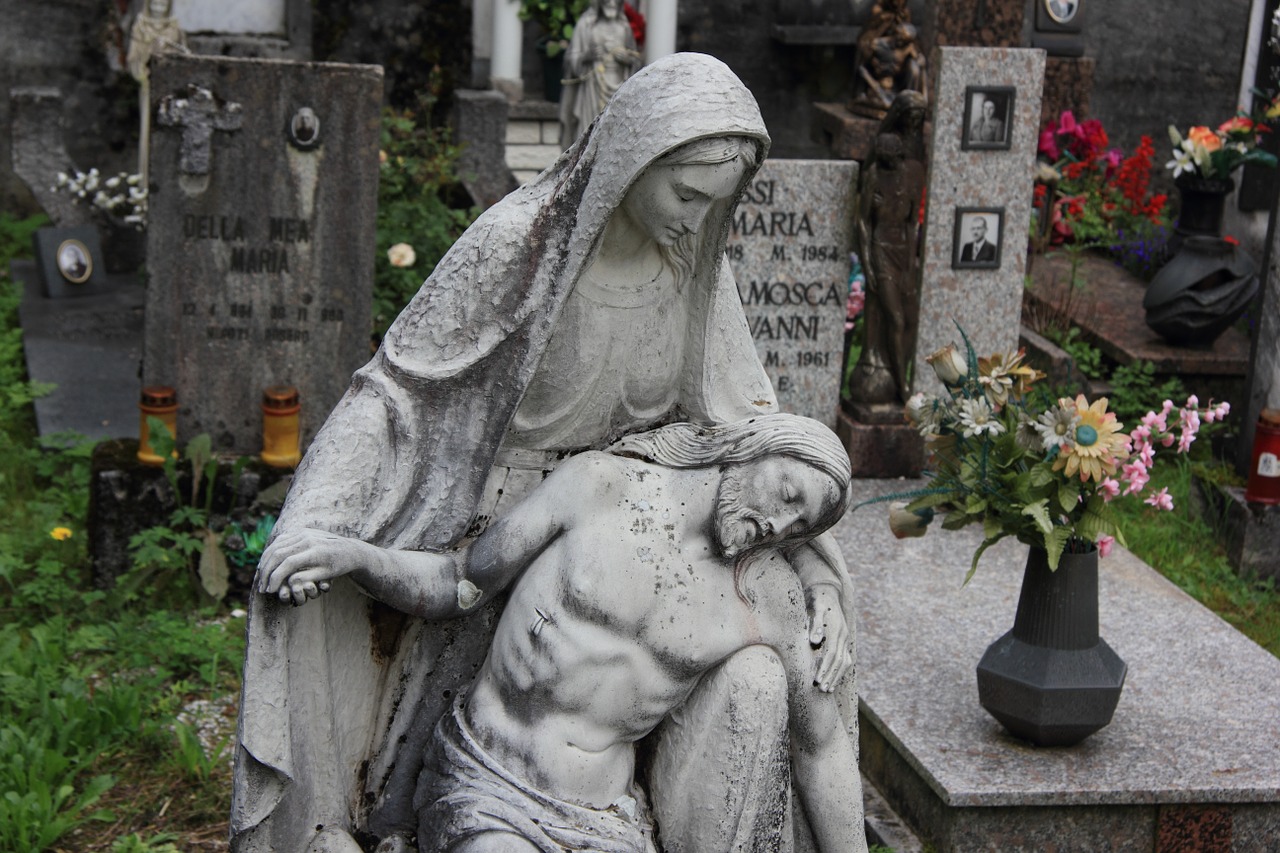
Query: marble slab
{"type": "Point", "coordinates": [1197, 727]}
{"type": "Point", "coordinates": [789, 248]}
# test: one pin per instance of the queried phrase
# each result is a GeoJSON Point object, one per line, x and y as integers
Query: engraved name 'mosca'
{"type": "Point", "coordinates": [792, 310]}
{"type": "Point", "coordinates": [228, 321]}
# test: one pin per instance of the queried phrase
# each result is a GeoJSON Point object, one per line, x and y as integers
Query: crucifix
{"type": "Point", "coordinates": [199, 114]}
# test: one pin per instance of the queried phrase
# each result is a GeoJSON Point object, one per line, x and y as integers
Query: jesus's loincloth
{"type": "Point", "coordinates": [463, 792]}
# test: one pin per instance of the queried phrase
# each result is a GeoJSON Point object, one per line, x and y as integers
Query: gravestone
{"type": "Point", "coordinates": [789, 248]}
{"type": "Point", "coordinates": [264, 188]}
{"type": "Point", "coordinates": [983, 297]}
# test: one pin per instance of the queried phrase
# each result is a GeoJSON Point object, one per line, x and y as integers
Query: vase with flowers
{"type": "Point", "coordinates": [1006, 455]}
{"type": "Point", "coordinates": [1209, 281]}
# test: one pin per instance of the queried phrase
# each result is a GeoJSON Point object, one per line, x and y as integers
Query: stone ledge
{"type": "Point", "coordinates": [1195, 730]}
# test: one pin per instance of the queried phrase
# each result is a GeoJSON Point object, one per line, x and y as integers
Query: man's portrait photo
{"type": "Point", "coordinates": [977, 238]}
{"type": "Point", "coordinates": [74, 261]}
{"type": "Point", "coordinates": [988, 114]}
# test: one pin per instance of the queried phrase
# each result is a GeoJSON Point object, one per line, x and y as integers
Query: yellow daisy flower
{"type": "Point", "coordinates": [1099, 440]}
{"type": "Point", "coordinates": [61, 533]}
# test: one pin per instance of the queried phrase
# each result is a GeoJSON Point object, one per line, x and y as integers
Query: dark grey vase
{"type": "Point", "coordinates": [1052, 680]}
{"type": "Point", "coordinates": [1208, 283]}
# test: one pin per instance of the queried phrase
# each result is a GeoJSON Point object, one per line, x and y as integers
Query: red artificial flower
{"type": "Point", "coordinates": [1049, 142]}
{"type": "Point", "coordinates": [636, 20]}
{"type": "Point", "coordinates": [1232, 240]}
{"type": "Point", "coordinates": [1239, 124]}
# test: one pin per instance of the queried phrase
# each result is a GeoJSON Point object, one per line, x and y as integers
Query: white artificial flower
{"type": "Point", "coordinates": [976, 418]}
{"type": "Point", "coordinates": [1057, 426]}
{"type": "Point", "coordinates": [401, 255]}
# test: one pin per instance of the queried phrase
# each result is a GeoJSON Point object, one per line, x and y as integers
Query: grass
{"type": "Point", "coordinates": [94, 755]}
{"type": "Point", "coordinates": [1187, 549]}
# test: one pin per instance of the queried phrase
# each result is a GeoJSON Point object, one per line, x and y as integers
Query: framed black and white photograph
{"type": "Point", "coordinates": [75, 264]}
{"type": "Point", "coordinates": [69, 260]}
{"type": "Point", "coordinates": [978, 234]}
{"type": "Point", "coordinates": [988, 116]}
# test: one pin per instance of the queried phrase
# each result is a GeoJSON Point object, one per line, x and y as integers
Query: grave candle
{"type": "Point", "coordinates": [280, 407]}
{"type": "Point", "coordinates": [1264, 470]}
{"type": "Point", "coordinates": [159, 401]}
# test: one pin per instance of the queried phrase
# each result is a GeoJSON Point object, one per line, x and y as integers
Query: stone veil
{"type": "Point", "coordinates": [340, 695]}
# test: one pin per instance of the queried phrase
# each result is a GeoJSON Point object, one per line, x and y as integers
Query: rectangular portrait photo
{"type": "Point", "coordinates": [988, 116]}
{"type": "Point", "coordinates": [977, 237]}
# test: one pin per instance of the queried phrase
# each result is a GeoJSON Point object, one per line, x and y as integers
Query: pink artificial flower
{"type": "Point", "coordinates": [1223, 409]}
{"type": "Point", "coordinates": [1155, 422]}
{"type": "Point", "coordinates": [1160, 500]}
{"type": "Point", "coordinates": [1049, 142]}
{"type": "Point", "coordinates": [1105, 544]}
{"type": "Point", "coordinates": [1135, 474]}
{"type": "Point", "coordinates": [1193, 402]}
{"type": "Point", "coordinates": [1113, 157]}
{"type": "Point", "coordinates": [1067, 124]}
{"type": "Point", "coordinates": [1147, 455]}
{"type": "Point", "coordinates": [1167, 441]}
{"type": "Point", "coordinates": [1110, 489]}
{"type": "Point", "coordinates": [1140, 435]}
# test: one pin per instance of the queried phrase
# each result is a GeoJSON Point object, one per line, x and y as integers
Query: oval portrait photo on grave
{"type": "Point", "coordinates": [74, 261]}
{"type": "Point", "coordinates": [1061, 11]}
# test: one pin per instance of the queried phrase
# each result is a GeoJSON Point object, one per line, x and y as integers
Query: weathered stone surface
{"type": "Point", "coordinates": [40, 153]}
{"type": "Point", "coordinates": [986, 303]}
{"type": "Point", "coordinates": [789, 249]}
{"type": "Point", "coordinates": [976, 23]}
{"type": "Point", "coordinates": [261, 269]}
{"type": "Point", "coordinates": [480, 126]}
{"type": "Point", "coordinates": [1068, 85]}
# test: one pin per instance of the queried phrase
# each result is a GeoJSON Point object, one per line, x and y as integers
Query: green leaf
{"type": "Point", "coordinates": [977, 555]}
{"type": "Point", "coordinates": [1042, 474]}
{"type": "Point", "coordinates": [1069, 495]}
{"type": "Point", "coordinates": [1039, 511]}
{"type": "Point", "coordinates": [956, 520]}
{"type": "Point", "coordinates": [929, 501]}
{"type": "Point", "coordinates": [1054, 542]}
{"type": "Point", "coordinates": [975, 505]}
{"type": "Point", "coordinates": [213, 566]}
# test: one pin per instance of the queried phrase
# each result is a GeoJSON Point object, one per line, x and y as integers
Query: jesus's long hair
{"type": "Point", "coordinates": [685, 445]}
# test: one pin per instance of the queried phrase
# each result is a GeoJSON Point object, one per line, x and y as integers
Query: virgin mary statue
{"type": "Point", "coordinates": [592, 303]}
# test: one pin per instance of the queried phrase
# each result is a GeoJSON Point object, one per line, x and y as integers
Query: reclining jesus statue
{"type": "Point", "coordinates": [633, 572]}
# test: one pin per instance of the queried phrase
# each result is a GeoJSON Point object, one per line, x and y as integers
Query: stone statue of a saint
{"type": "Point", "coordinates": [887, 236]}
{"type": "Point", "coordinates": [155, 30]}
{"type": "Point", "coordinates": [888, 60]}
{"type": "Point", "coordinates": [593, 303]}
{"type": "Point", "coordinates": [689, 524]}
{"type": "Point", "coordinates": [601, 56]}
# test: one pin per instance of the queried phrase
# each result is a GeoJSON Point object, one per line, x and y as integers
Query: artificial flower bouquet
{"type": "Point", "coordinates": [1008, 456]}
{"type": "Point", "coordinates": [1094, 195]}
{"type": "Point", "coordinates": [1215, 154]}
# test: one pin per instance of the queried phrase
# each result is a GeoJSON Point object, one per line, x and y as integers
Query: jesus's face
{"type": "Point", "coordinates": [770, 500]}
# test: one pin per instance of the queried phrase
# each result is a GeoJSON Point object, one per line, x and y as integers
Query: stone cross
{"type": "Point", "coordinates": [199, 115]}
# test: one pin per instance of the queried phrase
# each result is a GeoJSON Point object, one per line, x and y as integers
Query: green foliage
{"type": "Point", "coordinates": [417, 180]}
{"type": "Point", "coordinates": [135, 843]}
{"type": "Point", "coordinates": [191, 758]}
{"type": "Point", "coordinates": [555, 18]}
{"type": "Point", "coordinates": [1087, 357]}
{"type": "Point", "coordinates": [1134, 385]}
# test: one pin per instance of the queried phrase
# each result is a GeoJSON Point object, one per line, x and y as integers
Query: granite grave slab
{"type": "Point", "coordinates": [789, 248]}
{"type": "Point", "coordinates": [1195, 732]}
{"type": "Point", "coordinates": [264, 187]}
{"type": "Point", "coordinates": [984, 297]}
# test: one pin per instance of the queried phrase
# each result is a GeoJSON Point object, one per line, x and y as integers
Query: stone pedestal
{"type": "Point", "coordinates": [847, 136]}
{"type": "Point", "coordinates": [1252, 530]}
{"type": "Point", "coordinates": [881, 451]}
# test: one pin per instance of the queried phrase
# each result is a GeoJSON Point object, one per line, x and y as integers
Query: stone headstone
{"type": "Point", "coordinates": [261, 237]}
{"type": "Point", "coordinates": [789, 248]}
{"type": "Point", "coordinates": [983, 297]}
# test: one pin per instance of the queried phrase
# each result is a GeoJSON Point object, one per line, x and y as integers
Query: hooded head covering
{"type": "Point", "coordinates": [402, 460]}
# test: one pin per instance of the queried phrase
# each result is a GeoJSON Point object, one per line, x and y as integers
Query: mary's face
{"type": "Point", "coordinates": [668, 202]}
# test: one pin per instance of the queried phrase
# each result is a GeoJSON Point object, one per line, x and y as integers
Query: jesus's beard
{"type": "Point", "coordinates": [736, 526]}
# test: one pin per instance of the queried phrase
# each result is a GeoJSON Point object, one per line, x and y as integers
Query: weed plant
{"type": "Point", "coordinates": [90, 685]}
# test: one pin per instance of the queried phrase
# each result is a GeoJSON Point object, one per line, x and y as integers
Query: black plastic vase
{"type": "Point", "coordinates": [1209, 282]}
{"type": "Point", "coordinates": [1052, 680]}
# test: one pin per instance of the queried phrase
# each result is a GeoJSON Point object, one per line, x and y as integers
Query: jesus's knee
{"type": "Point", "coordinates": [753, 681]}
